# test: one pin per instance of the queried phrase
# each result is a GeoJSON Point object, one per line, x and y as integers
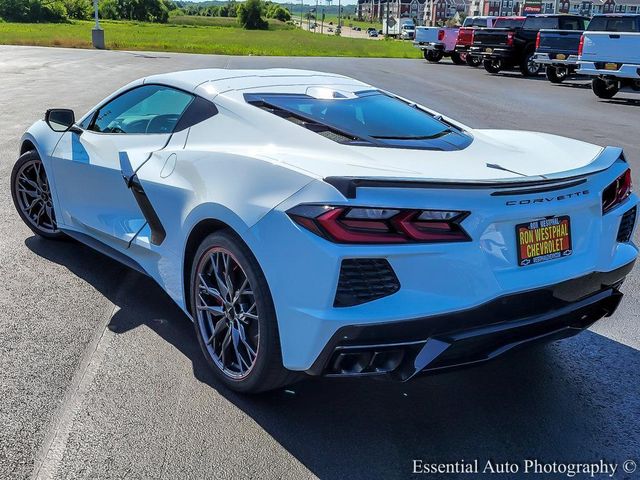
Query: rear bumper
{"type": "Point", "coordinates": [401, 350]}
{"type": "Point", "coordinates": [498, 53]}
{"type": "Point", "coordinates": [435, 46]}
{"type": "Point", "coordinates": [595, 69]}
{"type": "Point", "coordinates": [546, 59]}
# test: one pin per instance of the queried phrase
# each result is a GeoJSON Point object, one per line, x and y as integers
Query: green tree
{"type": "Point", "coordinates": [250, 15]}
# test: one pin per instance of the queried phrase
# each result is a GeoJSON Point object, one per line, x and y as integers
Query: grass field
{"type": "Point", "coordinates": [214, 39]}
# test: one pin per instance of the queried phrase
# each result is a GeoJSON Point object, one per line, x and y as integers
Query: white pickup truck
{"type": "Point", "coordinates": [437, 42]}
{"type": "Point", "coordinates": [612, 58]}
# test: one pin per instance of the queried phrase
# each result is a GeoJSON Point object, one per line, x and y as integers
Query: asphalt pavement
{"type": "Point", "coordinates": [101, 375]}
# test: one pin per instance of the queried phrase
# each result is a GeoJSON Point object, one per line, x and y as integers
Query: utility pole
{"type": "Point", "coordinates": [315, 30]}
{"type": "Point", "coordinates": [386, 33]}
{"type": "Point", "coordinates": [301, 9]}
{"type": "Point", "coordinates": [339, 12]}
{"type": "Point", "coordinates": [97, 34]}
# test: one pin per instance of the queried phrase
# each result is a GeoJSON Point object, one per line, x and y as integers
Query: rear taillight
{"type": "Point", "coordinates": [473, 36]}
{"type": "Point", "coordinates": [342, 224]}
{"type": "Point", "coordinates": [581, 45]}
{"type": "Point", "coordinates": [440, 35]}
{"type": "Point", "coordinates": [538, 41]}
{"type": "Point", "coordinates": [617, 192]}
{"type": "Point", "coordinates": [510, 39]}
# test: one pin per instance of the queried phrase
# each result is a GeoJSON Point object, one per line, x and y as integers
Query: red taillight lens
{"type": "Point", "coordinates": [380, 225]}
{"type": "Point", "coordinates": [581, 45]}
{"type": "Point", "coordinates": [510, 39]}
{"type": "Point", "coordinates": [617, 192]}
{"type": "Point", "coordinates": [538, 41]}
{"type": "Point", "coordinates": [440, 35]}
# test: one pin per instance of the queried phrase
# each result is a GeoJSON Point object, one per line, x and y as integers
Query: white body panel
{"type": "Point", "coordinates": [429, 38]}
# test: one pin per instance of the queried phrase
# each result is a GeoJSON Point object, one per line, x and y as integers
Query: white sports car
{"type": "Point", "coordinates": [311, 223]}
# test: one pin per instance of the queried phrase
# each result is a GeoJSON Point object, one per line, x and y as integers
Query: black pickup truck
{"type": "Point", "coordinates": [515, 47]}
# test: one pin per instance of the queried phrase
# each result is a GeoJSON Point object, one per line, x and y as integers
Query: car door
{"type": "Point", "coordinates": [88, 167]}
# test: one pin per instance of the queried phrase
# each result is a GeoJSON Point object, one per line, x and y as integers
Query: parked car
{"type": "Point", "coordinates": [375, 248]}
{"type": "Point", "coordinates": [503, 48]}
{"type": "Point", "coordinates": [557, 50]}
{"type": "Point", "coordinates": [613, 60]}
{"type": "Point", "coordinates": [373, 33]}
{"type": "Point", "coordinates": [438, 42]}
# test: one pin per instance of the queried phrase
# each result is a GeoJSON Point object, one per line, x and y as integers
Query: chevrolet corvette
{"type": "Point", "coordinates": [309, 223]}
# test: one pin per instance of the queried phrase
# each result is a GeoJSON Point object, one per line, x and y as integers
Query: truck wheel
{"type": "Point", "coordinates": [474, 61]}
{"type": "Point", "coordinates": [528, 67]}
{"type": "Point", "coordinates": [556, 74]}
{"type": "Point", "coordinates": [604, 88]}
{"type": "Point", "coordinates": [492, 66]}
{"type": "Point", "coordinates": [433, 56]}
{"type": "Point", "coordinates": [457, 58]}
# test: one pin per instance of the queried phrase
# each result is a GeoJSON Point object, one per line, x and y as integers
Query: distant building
{"type": "Point", "coordinates": [616, 6]}
{"type": "Point", "coordinates": [502, 8]}
{"type": "Point", "coordinates": [376, 10]}
{"type": "Point", "coordinates": [437, 12]}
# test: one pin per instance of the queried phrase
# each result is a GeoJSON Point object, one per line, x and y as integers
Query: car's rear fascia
{"type": "Point", "coordinates": [438, 280]}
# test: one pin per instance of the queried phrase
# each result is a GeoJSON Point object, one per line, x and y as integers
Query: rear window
{"type": "Point", "coordinates": [614, 24]}
{"type": "Point", "coordinates": [538, 23]}
{"type": "Point", "coordinates": [368, 114]}
{"type": "Point", "coordinates": [476, 22]}
{"type": "Point", "coordinates": [573, 23]}
{"type": "Point", "coordinates": [508, 23]}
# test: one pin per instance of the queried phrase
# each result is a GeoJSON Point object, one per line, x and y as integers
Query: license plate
{"type": "Point", "coordinates": [543, 240]}
{"type": "Point", "coordinates": [488, 50]}
{"type": "Point", "coordinates": [561, 56]}
{"type": "Point", "coordinates": [611, 66]}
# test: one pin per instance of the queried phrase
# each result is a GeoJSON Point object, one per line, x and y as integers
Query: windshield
{"type": "Point", "coordinates": [369, 114]}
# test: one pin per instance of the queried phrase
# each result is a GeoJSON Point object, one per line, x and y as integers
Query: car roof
{"type": "Point", "coordinates": [215, 81]}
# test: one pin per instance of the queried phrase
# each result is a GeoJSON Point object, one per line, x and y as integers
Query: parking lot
{"type": "Point", "coordinates": [101, 375]}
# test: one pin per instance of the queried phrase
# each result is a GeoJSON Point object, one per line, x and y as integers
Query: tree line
{"type": "Point", "coordinates": [250, 13]}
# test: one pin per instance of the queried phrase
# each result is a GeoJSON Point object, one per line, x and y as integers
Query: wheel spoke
{"type": "Point", "coordinates": [222, 287]}
{"type": "Point", "coordinates": [214, 292]}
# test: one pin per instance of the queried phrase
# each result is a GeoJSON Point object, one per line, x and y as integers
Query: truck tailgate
{"type": "Point", "coordinates": [491, 37]}
{"type": "Point", "coordinates": [427, 34]}
{"type": "Point", "coordinates": [620, 47]}
{"type": "Point", "coordinates": [559, 41]}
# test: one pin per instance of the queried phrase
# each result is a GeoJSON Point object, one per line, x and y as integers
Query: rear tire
{"type": "Point", "coordinates": [528, 67]}
{"type": "Point", "coordinates": [473, 61]}
{"type": "Point", "coordinates": [492, 66]}
{"type": "Point", "coordinates": [32, 196]}
{"type": "Point", "coordinates": [457, 58]}
{"type": "Point", "coordinates": [556, 74]}
{"type": "Point", "coordinates": [605, 88]}
{"type": "Point", "coordinates": [234, 316]}
{"type": "Point", "coordinates": [433, 56]}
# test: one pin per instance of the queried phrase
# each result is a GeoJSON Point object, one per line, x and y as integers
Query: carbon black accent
{"type": "Point", "coordinates": [363, 280]}
{"type": "Point", "coordinates": [626, 225]}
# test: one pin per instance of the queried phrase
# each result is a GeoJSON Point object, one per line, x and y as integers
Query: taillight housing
{"type": "Point", "coordinates": [617, 192]}
{"type": "Point", "coordinates": [509, 39]}
{"type": "Point", "coordinates": [364, 225]}
{"type": "Point", "coordinates": [538, 41]}
{"type": "Point", "coordinates": [581, 45]}
{"type": "Point", "coordinates": [440, 35]}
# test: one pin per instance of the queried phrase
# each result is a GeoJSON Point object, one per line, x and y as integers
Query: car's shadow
{"type": "Point", "coordinates": [577, 400]}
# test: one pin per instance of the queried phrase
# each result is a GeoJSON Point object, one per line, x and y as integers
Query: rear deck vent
{"type": "Point", "coordinates": [363, 280]}
{"type": "Point", "coordinates": [626, 225]}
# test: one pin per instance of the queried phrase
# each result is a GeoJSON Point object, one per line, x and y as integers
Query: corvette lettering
{"type": "Point", "coordinates": [529, 201]}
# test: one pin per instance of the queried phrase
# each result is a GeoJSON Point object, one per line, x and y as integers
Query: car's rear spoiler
{"type": "Point", "coordinates": [348, 186]}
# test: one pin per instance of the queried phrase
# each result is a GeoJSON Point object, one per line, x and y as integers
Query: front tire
{"type": "Point", "coordinates": [32, 196]}
{"type": "Point", "coordinates": [234, 316]}
{"type": "Point", "coordinates": [605, 88]}
{"type": "Point", "coordinates": [556, 74]}
{"type": "Point", "coordinates": [492, 66]}
{"type": "Point", "coordinates": [528, 67]}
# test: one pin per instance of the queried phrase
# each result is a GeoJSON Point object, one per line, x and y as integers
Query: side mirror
{"type": "Point", "coordinates": [60, 119]}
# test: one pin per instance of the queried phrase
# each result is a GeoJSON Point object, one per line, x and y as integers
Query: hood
{"type": "Point", "coordinates": [493, 155]}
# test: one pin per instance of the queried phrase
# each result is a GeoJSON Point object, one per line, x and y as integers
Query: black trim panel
{"type": "Point", "coordinates": [531, 309]}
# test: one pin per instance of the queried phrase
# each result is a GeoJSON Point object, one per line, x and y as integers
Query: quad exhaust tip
{"type": "Point", "coordinates": [366, 363]}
